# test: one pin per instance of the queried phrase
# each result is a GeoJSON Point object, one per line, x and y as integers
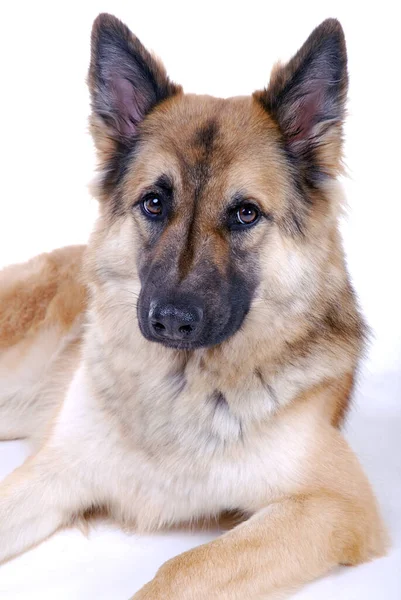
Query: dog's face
{"type": "Point", "coordinates": [209, 206]}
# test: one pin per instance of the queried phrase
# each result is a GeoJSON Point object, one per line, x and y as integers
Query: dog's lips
{"type": "Point", "coordinates": [174, 344]}
{"type": "Point", "coordinates": [178, 345]}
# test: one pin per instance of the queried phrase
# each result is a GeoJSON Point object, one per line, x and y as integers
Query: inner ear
{"type": "Point", "coordinates": [306, 97]}
{"type": "Point", "coordinates": [126, 82]}
{"type": "Point", "coordinates": [129, 105]}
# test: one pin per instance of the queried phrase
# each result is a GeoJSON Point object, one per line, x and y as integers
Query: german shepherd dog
{"type": "Point", "coordinates": [199, 355]}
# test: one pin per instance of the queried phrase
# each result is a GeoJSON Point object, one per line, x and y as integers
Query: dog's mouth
{"type": "Point", "coordinates": [177, 345]}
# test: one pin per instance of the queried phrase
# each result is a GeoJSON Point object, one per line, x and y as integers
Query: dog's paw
{"type": "Point", "coordinates": [180, 578]}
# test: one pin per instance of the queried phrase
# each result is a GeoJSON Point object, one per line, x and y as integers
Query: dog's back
{"type": "Point", "coordinates": [42, 303]}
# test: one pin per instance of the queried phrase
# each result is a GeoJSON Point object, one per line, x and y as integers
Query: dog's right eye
{"type": "Point", "coordinates": [152, 206]}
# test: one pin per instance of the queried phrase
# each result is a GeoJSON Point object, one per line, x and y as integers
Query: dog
{"type": "Point", "coordinates": [199, 355]}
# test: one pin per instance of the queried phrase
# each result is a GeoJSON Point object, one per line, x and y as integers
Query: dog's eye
{"type": "Point", "coordinates": [247, 214]}
{"type": "Point", "coordinates": [152, 205]}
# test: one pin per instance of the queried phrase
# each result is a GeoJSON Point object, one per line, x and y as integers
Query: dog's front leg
{"type": "Point", "coordinates": [66, 477]}
{"type": "Point", "coordinates": [38, 498]}
{"type": "Point", "coordinates": [291, 541]}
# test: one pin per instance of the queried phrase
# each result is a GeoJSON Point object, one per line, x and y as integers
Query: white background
{"type": "Point", "coordinates": [221, 48]}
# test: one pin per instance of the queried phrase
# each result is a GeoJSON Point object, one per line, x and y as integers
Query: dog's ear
{"type": "Point", "coordinates": [126, 82]}
{"type": "Point", "coordinates": [306, 97]}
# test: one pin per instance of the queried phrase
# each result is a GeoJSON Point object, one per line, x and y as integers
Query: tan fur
{"type": "Point", "coordinates": [41, 317]}
{"type": "Point", "coordinates": [157, 436]}
{"type": "Point", "coordinates": [44, 292]}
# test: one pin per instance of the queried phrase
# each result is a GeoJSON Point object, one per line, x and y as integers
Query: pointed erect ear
{"type": "Point", "coordinates": [126, 82]}
{"type": "Point", "coordinates": [306, 97]}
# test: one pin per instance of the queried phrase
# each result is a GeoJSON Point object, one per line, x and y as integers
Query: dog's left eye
{"type": "Point", "coordinates": [247, 214]}
{"type": "Point", "coordinates": [152, 205]}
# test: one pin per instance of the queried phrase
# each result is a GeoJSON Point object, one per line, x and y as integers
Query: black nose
{"type": "Point", "coordinates": [175, 321]}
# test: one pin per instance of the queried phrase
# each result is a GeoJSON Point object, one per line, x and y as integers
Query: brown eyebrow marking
{"type": "Point", "coordinates": [165, 183]}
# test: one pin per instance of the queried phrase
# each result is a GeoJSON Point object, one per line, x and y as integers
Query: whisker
{"type": "Point", "coordinates": [131, 292]}
{"type": "Point", "coordinates": [122, 305]}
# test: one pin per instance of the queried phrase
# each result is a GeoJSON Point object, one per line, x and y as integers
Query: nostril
{"type": "Point", "coordinates": [185, 329]}
{"type": "Point", "coordinates": [178, 321]}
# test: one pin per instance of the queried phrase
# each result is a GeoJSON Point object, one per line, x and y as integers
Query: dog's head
{"type": "Point", "coordinates": [210, 207]}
